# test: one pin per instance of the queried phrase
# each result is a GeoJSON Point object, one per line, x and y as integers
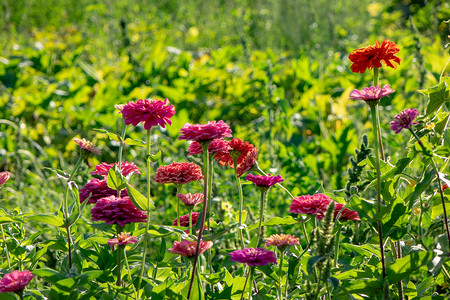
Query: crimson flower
{"type": "Point", "coordinates": [184, 220]}
{"type": "Point", "coordinates": [373, 55]}
{"type": "Point", "coordinates": [190, 200]}
{"type": "Point", "coordinates": [117, 210]}
{"type": "Point", "coordinates": [15, 281]}
{"type": "Point", "coordinates": [205, 132]}
{"type": "Point", "coordinates": [178, 173]}
{"type": "Point", "coordinates": [264, 181]}
{"type": "Point", "coordinates": [247, 162]}
{"type": "Point", "coordinates": [188, 248]}
{"type": "Point", "coordinates": [4, 176]}
{"type": "Point", "coordinates": [99, 189]}
{"type": "Point", "coordinates": [122, 240]}
{"type": "Point", "coordinates": [372, 93]}
{"type": "Point", "coordinates": [216, 146]}
{"type": "Point", "coordinates": [125, 167]}
{"type": "Point", "coordinates": [87, 146]}
{"type": "Point", "coordinates": [254, 256]}
{"type": "Point", "coordinates": [404, 120]}
{"type": "Point", "coordinates": [238, 149]}
{"type": "Point", "coordinates": [151, 112]}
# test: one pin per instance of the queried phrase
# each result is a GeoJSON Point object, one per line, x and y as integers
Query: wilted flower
{"type": "Point", "coordinates": [264, 181]}
{"type": "Point", "coordinates": [190, 200]}
{"type": "Point", "coordinates": [188, 248]}
{"type": "Point", "coordinates": [178, 173]}
{"type": "Point", "coordinates": [99, 189]}
{"type": "Point", "coordinates": [117, 210]}
{"type": "Point", "coordinates": [372, 56]}
{"type": "Point", "coordinates": [404, 120]}
{"type": "Point", "coordinates": [4, 176]}
{"type": "Point", "coordinates": [125, 167]}
{"type": "Point", "coordinates": [15, 281]}
{"type": "Point", "coordinates": [371, 94]}
{"type": "Point", "coordinates": [122, 240]}
{"type": "Point", "coordinates": [87, 146]}
{"type": "Point", "coordinates": [151, 112]}
{"type": "Point", "coordinates": [216, 146]}
{"type": "Point", "coordinates": [205, 132]}
{"type": "Point", "coordinates": [254, 256]}
{"type": "Point", "coordinates": [281, 240]}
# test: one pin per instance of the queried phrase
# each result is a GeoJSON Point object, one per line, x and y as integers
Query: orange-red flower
{"type": "Point", "coordinates": [373, 55]}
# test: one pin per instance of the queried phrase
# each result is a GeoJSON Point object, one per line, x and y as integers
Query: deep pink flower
{"type": "Point", "coordinates": [188, 248]}
{"type": "Point", "coordinates": [205, 132]}
{"type": "Point", "coordinates": [281, 240]}
{"type": "Point", "coordinates": [184, 220]}
{"type": "Point", "coordinates": [151, 112]}
{"type": "Point", "coordinates": [190, 200]}
{"type": "Point", "coordinates": [372, 93]}
{"type": "Point", "coordinates": [216, 146]}
{"type": "Point", "coordinates": [117, 210]}
{"type": "Point", "coordinates": [99, 189]}
{"type": "Point", "coordinates": [404, 120]}
{"type": "Point", "coordinates": [346, 213]}
{"type": "Point", "coordinates": [87, 146]}
{"type": "Point", "coordinates": [122, 240]}
{"type": "Point", "coordinates": [264, 181]}
{"type": "Point", "coordinates": [15, 281]}
{"type": "Point", "coordinates": [126, 168]}
{"type": "Point", "coordinates": [238, 148]}
{"type": "Point", "coordinates": [4, 176]}
{"type": "Point", "coordinates": [178, 173]}
{"type": "Point", "coordinates": [254, 256]}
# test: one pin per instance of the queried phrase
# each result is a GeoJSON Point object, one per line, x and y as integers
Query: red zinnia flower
{"type": "Point", "coordinates": [216, 146]}
{"type": "Point", "coordinates": [115, 210]}
{"type": "Point", "coordinates": [87, 146]}
{"type": "Point", "coordinates": [126, 168]}
{"type": "Point", "coordinates": [4, 176]}
{"type": "Point", "coordinates": [264, 181]}
{"type": "Point", "coordinates": [184, 220]}
{"type": "Point", "coordinates": [205, 132]}
{"type": "Point", "coordinates": [239, 149]}
{"type": "Point", "coordinates": [99, 189]}
{"type": "Point", "coordinates": [178, 173]}
{"type": "Point", "coordinates": [15, 281]}
{"type": "Point", "coordinates": [190, 200]}
{"type": "Point", "coordinates": [151, 112]}
{"type": "Point", "coordinates": [122, 240]}
{"type": "Point", "coordinates": [247, 163]}
{"type": "Point", "coordinates": [187, 248]}
{"type": "Point", "coordinates": [254, 256]}
{"type": "Point", "coordinates": [372, 56]}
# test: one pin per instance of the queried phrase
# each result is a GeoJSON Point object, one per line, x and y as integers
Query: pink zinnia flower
{"type": "Point", "coordinates": [151, 112]}
{"type": "Point", "coordinates": [216, 146]}
{"type": "Point", "coordinates": [178, 173]}
{"type": "Point", "coordinates": [404, 120]}
{"type": "Point", "coordinates": [188, 248]}
{"type": "Point", "coordinates": [205, 132]}
{"type": "Point", "coordinates": [254, 256]}
{"type": "Point", "coordinates": [281, 240]}
{"type": "Point", "coordinates": [122, 240]}
{"type": "Point", "coordinates": [264, 181]}
{"type": "Point", "coordinates": [87, 146]}
{"type": "Point", "coordinates": [4, 176]}
{"type": "Point", "coordinates": [372, 93]}
{"type": "Point", "coordinates": [99, 189]}
{"type": "Point", "coordinates": [184, 220]}
{"type": "Point", "coordinates": [125, 167]}
{"type": "Point", "coordinates": [115, 210]}
{"type": "Point", "coordinates": [15, 281]}
{"type": "Point", "coordinates": [190, 200]}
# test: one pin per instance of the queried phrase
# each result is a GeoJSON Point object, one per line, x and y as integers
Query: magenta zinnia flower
{"type": "Point", "coordinates": [404, 120]}
{"type": "Point", "coordinates": [254, 256]}
{"type": "Point", "coordinates": [264, 181]}
{"type": "Point", "coordinates": [187, 248]}
{"type": "Point", "coordinates": [178, 173]}
{"type": "Point", "coordinates": [281, 240]}
{"type": "Point", "coordinates": [190, 200]}
{"type": "Point", "coordinates": [216, 146]}
{"type": "Point", "coordinates": [87, 146]}
{"type": "Point", "coordinates": [15, 281]}
{"type": "Point", "coordinates": [184, 220]}
{"type": "Point", "coordinates": [117, 210]}
{"type": "Point", "coordinates": [4, 176]}
{"type": "Point", "coordinates": [99, 189]}
{"type": "Point", "coordinates": [125, 167]}
{"type": "Point", "coordinates": [151, 112]}
{"type": "Point", "coordinates": [122, 240]}
{"type": "Point", "coordinates": [205, 132]}
{"type": "Point", "coordinates": [372, 93]}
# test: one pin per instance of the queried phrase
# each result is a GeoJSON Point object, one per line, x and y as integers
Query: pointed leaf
{"type": "Point", "coordinates": [110, 135]}
{"type": "Point", "coordinates": [48, 219]}
{"type": "Point", "coordinates": [139, 200]}
{"type": "Point", "coordinates": [438, 95]}
{"type": "Point", "coordinates": [404, 267]}
{"type": "Point", "coordinates": [134, 142]}
{"type": "Point", "coordinates": [155, 157]}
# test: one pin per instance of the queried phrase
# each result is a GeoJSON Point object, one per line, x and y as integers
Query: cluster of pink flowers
{"type": "Point", "coordinates": [125, 167]}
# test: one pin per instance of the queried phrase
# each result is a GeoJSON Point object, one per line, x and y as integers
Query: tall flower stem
{"type": "Point", "coordinates": [336, 247]}
{"type": "Point", "coordinates": [250, 272]}
{"type": "Point", "coordinates": [120, 250]}
{"type": "Point", "coordinates": [241, 200]}
{"type": "Point", "coordinates": [205, 145]}
{"type": "Point", "coordinates": [147, 226]}
{"type": "Point", "coordinates": [261, 215]}
{"type": "Point", "coordinates": [5, 245]}
{"type": "Point", "coordinates": [119, 154]}
{"type": "Point", "coordinates": [210, 180]}
{"type": "Point", "coordinates": [375, 121]}
{"type": "Point", "coordinates": [280, 278]}
{"type": "Point", "coordinates": [376, 75]}
{"type": "Point", "coordinates": [129, 275]}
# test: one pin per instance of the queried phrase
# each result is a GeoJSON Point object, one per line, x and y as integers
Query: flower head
{"type": "Point", "coordinates": [190, 200]}
{"type": "Point", "coordinates": [87, 146]}
{"type": "Point", "coordinates": [184, 220]}
{"type": "Point", "coordinates": [216, 146]}
{"type": "Point", "coordinates": [99, 189]}
{"type": "Point", "coordinates": [4, 176]}
{"type": "Point", "coordinates": [188, 248]}
{"type": "Point", "coordinates": [373, 55]}
{"type": "Point", "coordinates": [238, 148]}
{"type": "Point", "coordinates": [264, 181]}
{"type": "Point", "coordinates": [254, 256]}
{"type": "Point", "coordinates": [247, 162]}
{"type": "Point", "coordinates": [122, 240]}
{"type": "Point", "coordinates": [404, 120]}
{"type": "Point", "coordinates": [444, 187]}
{"type": "Point", "coordinates": [371, 94]}
{"type": "Point", "coordinates": [281, 240]}
{"type": "Point", "coordinates": [15, 281]}
{"type": "Point", "coordinates": [117, 210]}
{"type": "Point", "coordinates": [205, 132]}
{"type": "Point", "coordinates": [178, 173]}
{"type": "Point", "coordinates": [151, 112]}
{"type": "Point", "coordinates": [125, 167]}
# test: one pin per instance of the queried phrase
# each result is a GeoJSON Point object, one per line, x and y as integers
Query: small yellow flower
{"type": "Point", "coordinates": [416, 211]}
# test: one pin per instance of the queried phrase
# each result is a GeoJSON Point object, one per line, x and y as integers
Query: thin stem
{"type": "Point", "coordinates": [210, 179]}
{"type": "Point", "coordinates": [376, 75]}
{"type": "Point", "coordinates": [258, 169]}
{"type": "Point", "coordinates": [336, 247]}
{"type": "Point", "coordinates": [129, 274]}
{"type": "Point", "coordinates": [120, 250]}
{"type": "Point", "coordinates": [280, 272]}
{"type": "Point", "coordinates": [245, 284]}
{"type": "Point", "coordinates": [400, 284]}
{"type": "Point", "coordinates": [6, 248]}
{"type": "Point", "coordinates": [191, 231]}
{"type": "Point", "coordinates": [241, 200]}
{"type": "Point", "coordinates": [261, 215]}
{"type": "Point", "coordinates": [304, 231]}
{"type": "Point", "coordinates": [119, 154]}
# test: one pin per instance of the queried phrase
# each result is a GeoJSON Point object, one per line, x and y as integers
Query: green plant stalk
{"type": "Point", "coordinates": [261, 215]}
{"type": "Point", "coordinates": [249, 274]}
{"type": "Point", "coordinates": [129, 274]}
{"type": "Point", "coordinates": [336, 247]}
{"type": "Point", "coordinates": [6, 248]}
{"type": "Point", "coordinates": [304, 231]}
{"type": "Point", "coordinates": [376, 76]}
{"type": "Point", "coordinates": [119, 154]}
{"type": "Point", "coordinates": [241, 200]}
{"type": "Point", "coordinates": [147, 226]}
{"type": "Point", "coordinates": [120, 250]}
{"type": "Point", "coordinates": [375, 121]}
{"type": "Point", "coordinates": [191, 230]}
{"type": "Point", "coordinates": [318, 283]}
{"type": "Point", "coordinates": [210, 179]}
{"type": "Point", "coordinates": [206, 170]}
{"type": "Point", "coordinates": [280, 271]}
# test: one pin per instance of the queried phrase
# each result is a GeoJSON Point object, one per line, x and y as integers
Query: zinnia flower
{"type": "Point", "coordinates": [151, 112]}
{"type": "Point", "coordinates": [205, 132]}
{"type": "Point", "coordinates": [264, 181]}
{"type": "Point", "coordinates": [187, 248]}
{"type": "Point", "coordinates": [190, 200]}
{"type": "Point", "coordinates": [254, 256]}
{"type": "Point", "coordinates": [15, 281]}
{"type": "Point", "coordinates": [281, 240]}
{"type": "Point", "coordinates": [99, 189]}
{"type": "Point", "coordinates": [404, 120]}
{"type": "Point", "coordinates": [216, 146]}
{"type": "Point", "coordinates": [373, 55]}
{"type": "Point", "coordinates": [372, 93]}
{"type": "Point", "coordinates": [247, 162]}
{"type": "Point", "coordinates": [125, 167]}
{"type": "Point", "coordinates": [184, 220]}
{"type": "Point", "coordinates": [4, 176]}
{"type": "Point", "coordinates": [238, 148]}
{"type": "Point", "coordinates": [178, 173]}
{"type": "Point", "coordinates": [87, 146]}
{"type": "Point", "coordinates": [122, 240]}
{"type": "Point", "coordinates": [117, 210]}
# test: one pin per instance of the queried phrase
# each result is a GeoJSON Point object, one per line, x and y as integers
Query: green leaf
{"type": "Point", "coordinates": [312, 261]}
{"type": "Point", "coordinates": [7, 220]}
{"type": "Point", "coordinates": [155, 157]}
{"type": "Point", "coordinates": [404, 267]}
{"type": "Point", "coordinates": [139, 200]}
{"type": "Point", "coordinates": [441, 125]}
{"type": "Point", "coordinates": [275, 221]}
{"type": "Point", "coordinates": [59, 173]}
{"type": "Point", "coordinates": [115, 180]}
{"type": "Point", "coordinates": [76, 214]}
{"type": "Point", "coordinates": [438, 95]}
{"type": "Point", "coordinates": [48, 274]}
{"type": "Point", "coordinates": [134, 142]}
{"type": "Point", "coordinates": [111, 136]}
{"type": "Point", "coordinates": [420, 188]}
{"type": "Point", "coordinates": [363, 286]}
{"type": "Point", "coordinates": [48, 219]}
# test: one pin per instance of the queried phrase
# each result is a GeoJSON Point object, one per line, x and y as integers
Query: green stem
{"type": "Point", "coordinates": [191, 230]}
{"type": "Point", "coordinates": [336, 247]}
{"type": "Point", "coordinates": [120, 250]}
{"type": "Point", "coordinates": [261, 215]}
{"type": "Point", "coordinates": [304, 231]}
{"type": "Point", "coordinates": [250, 270]}
{"type": "Point", "coordinates": [210, 179]}
{"type": "Point", "coordinates": [241, 201]}
{"type": "Point", "coordinates": [376, 75]}
{"type": "Point", "coordinates": [119, 154]}
{"type": "Point", "coordinates": [6, 248]}
{"type": "Point", "coordinates": [280, 272]}
{"type": "Point", "coordinates": [129, 275]}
